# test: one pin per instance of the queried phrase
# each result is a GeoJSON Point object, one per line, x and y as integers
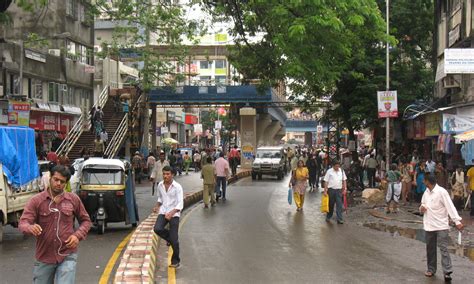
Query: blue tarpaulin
{"type": "Point", "coordinates": [18, 154]}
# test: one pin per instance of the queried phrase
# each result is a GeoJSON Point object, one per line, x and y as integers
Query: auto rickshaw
{"type": "Point", "coordinates": [107, 192]}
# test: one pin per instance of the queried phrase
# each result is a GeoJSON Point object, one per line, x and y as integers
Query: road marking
{"type": "Point", "coordinates": [104, 279]}
{"type": "Point", "coordinates": [171, 270]}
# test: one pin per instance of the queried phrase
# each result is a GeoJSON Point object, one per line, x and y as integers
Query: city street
{"type": "Point", "coordinates": [256, 237]}
{"type": "Point", "coordinates": [17, 251]}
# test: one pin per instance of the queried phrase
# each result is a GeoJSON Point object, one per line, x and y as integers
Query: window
{"type": "Point", "coordinates": [220, 80]}
{"type": "Point", "coordinates": [13, 85]}
{"type": "Point", "coordinates": [71, 8]}
{"type": "Point", "coordinates": [205, 64]}
{"type": "Point", "coordinates": [205, 80]}
{"type": "Point", "coordinates": [220, 64]}
{"type": "Point", "coordinates": [53, 92]}
{"type": "Point", "coordinates": [35, 89]}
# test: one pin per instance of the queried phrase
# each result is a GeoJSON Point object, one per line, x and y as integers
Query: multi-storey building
{"type": "Point", "coordinates": [47, 61]}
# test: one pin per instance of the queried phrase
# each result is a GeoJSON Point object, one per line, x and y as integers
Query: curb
{"type": "Point", "coordinates": [138, 262]}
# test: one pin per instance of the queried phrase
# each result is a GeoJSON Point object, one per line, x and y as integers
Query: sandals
{"type": "Point", "coordinates": [447, 277]}
{"type": "Point", "coordinates": [429, 274]}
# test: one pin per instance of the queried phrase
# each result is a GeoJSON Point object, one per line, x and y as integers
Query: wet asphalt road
{"type": "Point", "coordinates": [256, 237]}
{"type": "Point", "coordinates": [17, 251]}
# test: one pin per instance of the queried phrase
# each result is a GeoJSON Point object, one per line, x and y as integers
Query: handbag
{"type": "Point", "coordinates": [290, 195]}
{"type": "Point", "coordinates": [325, 203]}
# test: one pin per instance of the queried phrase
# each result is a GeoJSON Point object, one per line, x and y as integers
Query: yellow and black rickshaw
{"type": "Point", "coordinates": [107, 192]}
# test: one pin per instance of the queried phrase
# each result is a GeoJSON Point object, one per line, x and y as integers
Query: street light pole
{"type": "Point", "coordinates": [387, 121]}
{"type": "Point", "coordinates": [21, 67]}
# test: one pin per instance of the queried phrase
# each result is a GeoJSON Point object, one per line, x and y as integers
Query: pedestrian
{"type": "Point", "coordinates": [157, 173]}
{"type": "Point", "coordinates": [169, 206]}
{"type": "Point", "coordinates": [179, 162]}
{"type": "Point", "coordinates": [372, 165]}
{"type": "Point", "coordinates": [222, 172]}
{"type": "Point", "coordinates": [99, 147]}
{"type": "Point", "coordinates": [137, 165]}
{"type": "Point", "coordinates": [150, 163]}
{"type": "Point", "coordinates": [187, 162]}
{"type": "Point", "coordinates": [394, 188]}
{"type": "Point", "coordinates": [312, 166]}
{"type": "Point", "coordinates": [406, 171]}
{"type": "Point", "coordinates": [64, 160]}
{"type": "Point", "coordinates": [419, 178]}
{"type": "Point", "coordinates": [457, 185]}
{"type": "Point", "coordinates": [335, 184]}
{"type": "Point", "coordinates": [441, 175]}
{"type": "Point", "coordinates": [204, 156]}
{"type": "Point", "coordinates": [430, 166]}
{"type": "Point", "coordinates": [294, 164]}
{"type": "Point", "coordinates": [234, 158]}
{"type": "Point", "coordinates": [92, 118]}
{"type": "Point", "coordinates": [52, 156]}
{"type": "Point", "coordinates": [104, 136]}
{"type": "Point", "coordinates": [298, 183]}
{"type": "Point", "coordinates": [172, 161]}
{"type": "Point", "coordinates": [436, 207]}
{"type": "Point", "coordinates": [209, 174]}
{"type": "Point", "coordinates": [197, 161]}
{"type": "Point", "coordinates": [125, 107]}
{"type": "Point", "coordinates": [470, 184]}
{"type": "Point", "coordinates": [49, 216]}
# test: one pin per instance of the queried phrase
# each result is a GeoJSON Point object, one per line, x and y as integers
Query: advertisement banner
{"type": "Point", "coordinates": [453, 124]}
{"type": "Point", "coordinates": [190, 119]}
{"type": "Point", "coordinates": [387, 104]}
{"type": "Point", "coordinates": [458, 60]}
{"type": "Point", "coordinates": [432, 124]}
{"type": "Point", "coordinates": [198, 129]}
{"type": "Point", "coordinates": [217, 124]}
{"type": "Point", "coordinates": [164, 130]}
{"type": "Point", "coordinates": [18, 113]}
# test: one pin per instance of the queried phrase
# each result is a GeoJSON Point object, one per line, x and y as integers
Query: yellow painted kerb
{"type": "Point", "coordinates": [104, 279]}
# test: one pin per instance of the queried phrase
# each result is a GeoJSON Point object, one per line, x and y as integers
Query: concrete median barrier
{"type": "Point", "coordinates": [138, 262]}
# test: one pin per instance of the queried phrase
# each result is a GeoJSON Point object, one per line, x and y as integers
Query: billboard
{"type": "Point", "coordinates": [458, 60]}
{"type": "Point", "coordinates": [453, 124]}
{"type": "Point", "coordinates": [387, 104]}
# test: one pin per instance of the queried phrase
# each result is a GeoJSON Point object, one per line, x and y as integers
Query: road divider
{"type": "Point", "coordinates": [138, 262]}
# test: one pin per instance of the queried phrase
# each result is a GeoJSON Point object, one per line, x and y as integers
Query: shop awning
{"type": "Point", "coordinates": [72, 109]}
{"type": "Point", "coordinates": [465, 136]}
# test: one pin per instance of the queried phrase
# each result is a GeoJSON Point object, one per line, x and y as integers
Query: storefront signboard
{"type": "Point", "coordinates": [453, 124]}
{"type": "Point", "coordinates": [419, 128]}
{"type": "Point", "coordinates": [18, 113]}
{"type": "Point", "coordinates": [432, 124]}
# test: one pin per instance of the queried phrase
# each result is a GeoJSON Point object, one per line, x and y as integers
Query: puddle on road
{"type": "Point", "coordinates": [419, 235]}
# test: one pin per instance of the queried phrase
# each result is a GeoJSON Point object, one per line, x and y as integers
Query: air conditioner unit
{"type": "Point", "coordinates": [55, 52]}
{"type": "Point", "coordinates": [451, 82]}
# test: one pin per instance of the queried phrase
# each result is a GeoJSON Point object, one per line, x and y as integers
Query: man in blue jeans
{"type": "Point", "coordinates": [222, 172]}
{"type": "Point", "coordinates": [50, 216]}
{"type": "Point", "coordinates": [335, 184]}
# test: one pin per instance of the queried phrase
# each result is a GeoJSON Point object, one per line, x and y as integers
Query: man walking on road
{"type": "Point", "coordinates": [49, 216]}
{"type": "Point", "coordinates": [470, 184]}
{"type": "Point", "coordinates": [222, 171]}
{"type": "Point", "coordinates": [157, 174]}
{"type": "Point", "coordinates": [436, 206]}
{"type": "Point", "coordinates": [335, 185]}
{"type": "Point", "coordinates": [208, 175]}
{"type": "Point", "coordinates": [170, 204]}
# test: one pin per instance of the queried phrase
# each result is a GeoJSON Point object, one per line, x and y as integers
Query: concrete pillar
{"type": "Point", "coordinates": [308, 139]}
{"type": "Point", "coordinates": [280, 134]}
{"type": "Point", "coordinates": [248, 136]}
{"type": "Point", "coordinates": [270, 132]}
{"type": "Point", "coordinates": [264, 120]}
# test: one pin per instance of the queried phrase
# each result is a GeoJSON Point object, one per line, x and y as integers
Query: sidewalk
{"type": "Point", "coordinates": [408, 223]}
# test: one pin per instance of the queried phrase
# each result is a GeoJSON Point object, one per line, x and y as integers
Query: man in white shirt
{"type": "Point", "coordinates": [430, 166]}
{"type": "Point", "coordinates": [436, 206]}
{"type": "Point", "coordinates": [335, 184]}
{"type": "Point", "coordinates": [222, 172]}
{"type": "Point", "coordinates": [169, 206]}
{"type": "Point", "coordinates": [157, 173]}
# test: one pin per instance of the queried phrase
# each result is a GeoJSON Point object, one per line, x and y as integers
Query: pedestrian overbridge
{"type": "Point", "coordinates": [261, 117]}
{"type": "Point", "coordinates": [301, 125]}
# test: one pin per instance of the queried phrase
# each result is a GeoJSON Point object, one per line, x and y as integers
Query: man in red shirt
{"type": "Point", "coordinates": [234, 158]}
{"type": "Point", "coordinates": [49, 216]}
{"type": "Point", "coordinates": [52, 157]}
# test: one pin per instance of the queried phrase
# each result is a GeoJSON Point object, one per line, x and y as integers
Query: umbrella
{"type": "Point", "coordinates": [169, 141]}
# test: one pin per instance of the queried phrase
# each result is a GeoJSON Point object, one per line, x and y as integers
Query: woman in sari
{"type": "Point", "coordinates": [299, 183]}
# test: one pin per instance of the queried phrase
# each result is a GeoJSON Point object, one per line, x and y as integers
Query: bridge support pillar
{"type": "Point", "coordinates": [270, 133]}
{"type": "Point", "coordinates": [248, 136]}
{"type": "Point", "coordinates": [264, 120]}
{"type": "Point", "coordinates": [308, 139]}
{"type": "Point", "coordinates": [280, 134]}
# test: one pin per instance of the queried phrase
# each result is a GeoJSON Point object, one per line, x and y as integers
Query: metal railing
{"type": "Point", "coordinates": [122, 129]}
{"type": "Point", "coordinates": [114, 145]}
{"type": "Point", "coordinates": [84, 122]}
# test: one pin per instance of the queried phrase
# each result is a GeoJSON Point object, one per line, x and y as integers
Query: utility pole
{"type": "Point", "coordinates": [146, 84]}
{"type": "Point", "coordinates": [387, 121]}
